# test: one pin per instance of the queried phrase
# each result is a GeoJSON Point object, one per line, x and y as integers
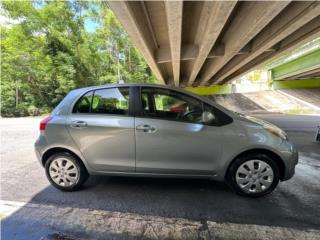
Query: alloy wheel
{"type": "Point", "coordinates": [254, 176]}
{"type": "Point", "coordinates": [64, 172]}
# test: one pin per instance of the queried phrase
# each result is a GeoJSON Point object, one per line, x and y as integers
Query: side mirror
{"type": "Point", "coordinates": [207, 117]}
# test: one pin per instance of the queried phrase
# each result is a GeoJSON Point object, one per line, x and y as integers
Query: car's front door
{"type": "Point", "coordinates": [103, 129]}
{"type": "Point", "coordinates": [171, 137]}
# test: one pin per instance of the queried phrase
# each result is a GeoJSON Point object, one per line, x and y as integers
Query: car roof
{"type": "Point", "coordinates": [129, 85]}
{"type": "Point", "coordinates": [169, 87]}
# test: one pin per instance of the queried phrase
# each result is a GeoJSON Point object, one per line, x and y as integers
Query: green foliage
{"type": "Point", "coordinates": [255, 75]}
{"type": "Point", "coordinates": [47, 52]}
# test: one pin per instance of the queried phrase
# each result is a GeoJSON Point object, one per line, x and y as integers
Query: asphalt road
{"type": "Point", "coordinates": [295, 203]}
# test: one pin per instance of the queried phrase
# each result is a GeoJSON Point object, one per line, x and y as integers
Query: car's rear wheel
{"type": "Point", "coordinates": [65, 172]}
{"type": "Point", "coordinates": [253, 175]}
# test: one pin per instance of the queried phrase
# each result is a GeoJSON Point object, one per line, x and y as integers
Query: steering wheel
{"type": "Point", "coordinates": [191, 116]}
{"type": "Point", "coordinates": [186, 114]}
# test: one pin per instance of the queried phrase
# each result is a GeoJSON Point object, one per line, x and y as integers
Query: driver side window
{"type": "Point", "coordinates": [170, 105]}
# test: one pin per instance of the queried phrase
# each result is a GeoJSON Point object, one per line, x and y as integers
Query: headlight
{"type": "Point", "coordinates": [276, 132]}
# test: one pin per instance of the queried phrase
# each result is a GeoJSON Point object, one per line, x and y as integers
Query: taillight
{"type": "Point", "coordinates": [44, 122]}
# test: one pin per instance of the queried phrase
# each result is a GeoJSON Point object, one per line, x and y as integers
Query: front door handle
{"type": "Point", "coordinates": [79, 124]}
{"type": "Point", "coordinates": [146, 128]}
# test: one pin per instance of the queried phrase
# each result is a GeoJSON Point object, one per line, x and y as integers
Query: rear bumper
{"type": "Point", "coordinates": [38, 156]}
{"type": "Point", "coordinates": [39, 147]}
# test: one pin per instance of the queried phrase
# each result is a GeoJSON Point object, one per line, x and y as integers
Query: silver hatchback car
{"type": "Point", "coordinates": [153, 130]}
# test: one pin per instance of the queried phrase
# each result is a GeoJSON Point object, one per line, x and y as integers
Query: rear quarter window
{"type": "Point", "coordinates": [83, 105]}
{"type": "Point", "coordinates": [63, 106]}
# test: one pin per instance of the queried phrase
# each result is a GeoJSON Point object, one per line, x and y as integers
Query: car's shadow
{"type": "Point", "coordinates": [179, 198]}
{"type": "Point", "coordinates": [183, 198]}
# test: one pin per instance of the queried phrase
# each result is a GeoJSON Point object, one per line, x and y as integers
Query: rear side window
{"type": "Point", "coordinates": [111, 101]}
{"type": "Point", "coordinates": [104, 101]}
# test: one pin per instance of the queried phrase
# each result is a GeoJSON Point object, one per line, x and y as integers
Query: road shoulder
{"type": "Point", "coordinates": [47, 221]}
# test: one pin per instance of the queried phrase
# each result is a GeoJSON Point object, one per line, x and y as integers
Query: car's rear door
{"type": "Point", "coordinates": [170, 138]}
{"type": "Point", "coordinates": [102, 126]}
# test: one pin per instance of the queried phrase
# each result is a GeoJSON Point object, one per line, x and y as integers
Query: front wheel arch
{"type": "Point", "coordinates": [266, 152]}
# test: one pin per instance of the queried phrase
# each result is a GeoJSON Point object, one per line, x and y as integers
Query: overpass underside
{"type": "Point", "coordinates": [208, 43]}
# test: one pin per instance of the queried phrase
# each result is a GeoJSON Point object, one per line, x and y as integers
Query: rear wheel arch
{"type": "Point", "coordinates": [50, 152]}
{"type": "Point", "coordinates": [269, 153]}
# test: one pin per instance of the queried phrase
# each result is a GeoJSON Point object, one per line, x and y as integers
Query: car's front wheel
{"type": "Point", "coordinates": [253, 175]}
{"type": "Point", "coordinates": [65, 172]}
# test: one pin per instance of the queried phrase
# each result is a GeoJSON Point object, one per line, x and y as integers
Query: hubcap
{"type": "Point", "coordinates": [254, 176]}
{"type": "Point", "coordinates": [63, 172]}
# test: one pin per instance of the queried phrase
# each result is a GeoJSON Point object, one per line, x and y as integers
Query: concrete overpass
{"type": "Point", "coordinates": [197, 43]}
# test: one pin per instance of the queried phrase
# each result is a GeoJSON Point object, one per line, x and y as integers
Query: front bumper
{"type": "Point", "coordinates": [290, 162]}
{"type": "Point", "coordinates": [318, 134]}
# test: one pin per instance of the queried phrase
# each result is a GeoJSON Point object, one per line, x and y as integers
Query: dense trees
{"type": "Point", "coordinates": [48, 50]}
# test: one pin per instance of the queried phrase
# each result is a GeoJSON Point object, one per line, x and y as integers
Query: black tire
{"type": "Point", "coordinates": [231, 174]}
{"type": "Point", "coordinates": [83, 174]}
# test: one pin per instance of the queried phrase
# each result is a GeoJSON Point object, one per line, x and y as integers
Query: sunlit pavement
{"type": "Point", "coordinates": [196, 207]}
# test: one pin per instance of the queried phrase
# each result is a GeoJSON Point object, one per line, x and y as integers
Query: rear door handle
{"type": "Point", "coordinates": [79, 124]}
{"type": "Point", "coordinates": [146, 128]}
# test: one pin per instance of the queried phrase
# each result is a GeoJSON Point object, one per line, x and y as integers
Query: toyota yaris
{"type": "Point", "coordinates": [153, 130]}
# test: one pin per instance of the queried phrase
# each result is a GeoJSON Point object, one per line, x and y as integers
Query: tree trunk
{"type": "Point", "coordinates": [17, 94]}
{"type": "Point", "coordinates": [130, 59]}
